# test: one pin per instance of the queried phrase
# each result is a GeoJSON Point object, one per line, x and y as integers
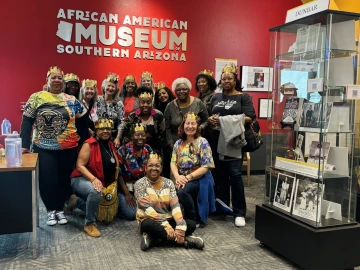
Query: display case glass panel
{"type": "Point", "coordinates": [310, 172]}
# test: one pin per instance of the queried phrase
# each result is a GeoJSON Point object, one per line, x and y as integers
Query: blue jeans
{"type": "Point", "coordinates": [86, 190]}
{"type": "Point", "coordinates": [188, 198]}
{"type": "Point", "coordinates": [226, 174]}
{"type": "Point", "coordinates": [124, 211]}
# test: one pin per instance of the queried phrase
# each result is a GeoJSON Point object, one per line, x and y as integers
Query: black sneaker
{"type": "Point", "coordinates": [194, 242]}
{"type": "Point", "coordinates": [145, 242]}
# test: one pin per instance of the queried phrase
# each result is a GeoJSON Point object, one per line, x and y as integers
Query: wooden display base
{"type": "Point", "coordinates": [323, 248]}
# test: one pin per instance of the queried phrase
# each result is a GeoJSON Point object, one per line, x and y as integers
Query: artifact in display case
{"type": "Point", "coordinates": [284, 191]}
{"type": "Point", "coordinates": [308, 196]}
{"type": "Point", "coordinates": [311, 141]}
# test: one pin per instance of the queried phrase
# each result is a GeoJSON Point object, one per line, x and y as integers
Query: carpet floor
{"type": "Point", "coordinates": [68, 247]}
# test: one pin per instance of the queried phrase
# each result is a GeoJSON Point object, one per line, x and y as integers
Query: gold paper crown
{"type": "Point", "coordinates": [112, 77]}
{"type": "Point", "coordinates": [231, 68]}
{"type": "Point", "coordinates": [146, 74]}
{"type": "Point", "coordinates": [54, 69]}
{"type": "Point", "coordinates": [145, 95]}
{"type": "Point", "coordinates": [139, 127]}
{"type": "Point", "coordinates": [207, 72]}
{"type": "Point", "coordinates": [104, 123]}
{"type": "Point", "coordinates": [129, 77]}
{"type": "Point", "coordinates": [160, 85]}
{"type": "Point", "coordinates": [154, 155]}
{"type": "Point", "coordinates": [190, 115]}
{"type": "Point", "coordinates": [89, 83]}
{"type": "Point", "coordinates": [71, 77]}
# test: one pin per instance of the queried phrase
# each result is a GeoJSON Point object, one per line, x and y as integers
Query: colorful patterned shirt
{"type": "Point", "coordinates": [132, 167]}
{"type": "Point", "coordinates": [188, 157]}
{"type": "Point", "coordinates": [54, 119]}
{"type": "Point", "coordinates": [159, 205]}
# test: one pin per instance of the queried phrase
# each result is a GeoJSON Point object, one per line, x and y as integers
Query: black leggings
{"type": "Point", "coordinates": [157, 231]}
{"type": "Point", "coordinates": [55, 167]}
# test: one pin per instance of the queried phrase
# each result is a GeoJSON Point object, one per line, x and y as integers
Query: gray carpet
{"type": "Point", "coordinates": [68, 247]}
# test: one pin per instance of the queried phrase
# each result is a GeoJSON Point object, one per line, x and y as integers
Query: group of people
{"type": "Point", "coordinates": [145, 153]}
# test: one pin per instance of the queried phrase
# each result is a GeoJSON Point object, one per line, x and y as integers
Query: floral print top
{"type": "Point", "coordinates": [188, 157]}
{"type": "Point", "coordinates": [132, 167]}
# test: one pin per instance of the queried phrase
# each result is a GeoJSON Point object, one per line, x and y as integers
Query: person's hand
{"type": "Point", "coordinates": [180, 181]}
{"type": "Point", "coordinates": [170, 234]}
{"type": "Point", "coordinates": [25, 150]}
{"type": "Point", "coordinates": [130, 201]}
{"type": "Point", "coordinates": [117, 142]}
{"type": "Point", "coordinates": [179, 237]}
{"type": "Point", "coordinates": [214, 120]}
{"type": "Point", "coordinates": [97, 184]}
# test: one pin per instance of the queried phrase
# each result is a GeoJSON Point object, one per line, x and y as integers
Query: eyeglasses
{"type": "Point", "coordinates": [181, 89]}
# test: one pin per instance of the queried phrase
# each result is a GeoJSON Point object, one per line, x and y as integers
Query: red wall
{"type": "Point", "coordinates": [227, 29]}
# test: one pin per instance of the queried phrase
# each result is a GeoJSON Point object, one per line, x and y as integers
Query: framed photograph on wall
{"type": "Point", "coordinates": [265, 108]}
{"type": "Point", "coordinates": [257, 79]}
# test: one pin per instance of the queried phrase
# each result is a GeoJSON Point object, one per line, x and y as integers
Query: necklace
{"type": "Point", "coordinates": [112, 159]}
{"type": "Point", "coordinates": [154, 181]}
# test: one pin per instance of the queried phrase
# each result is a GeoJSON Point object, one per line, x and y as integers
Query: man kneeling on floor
{"type": "Point", "coordinates": [95, 179]}
{"type": "Point", "coordinates": [158, 210]}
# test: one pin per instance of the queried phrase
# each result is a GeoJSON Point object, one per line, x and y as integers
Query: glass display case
{"type": "Point", "coordinates": [312, 156]}
{"type": "Point", "coordinates": [309, 165]}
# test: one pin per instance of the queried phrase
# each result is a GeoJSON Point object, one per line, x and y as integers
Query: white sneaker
{"type": "Point", "coordinates": [240, 222]}
{"type": "Point", "coordinates": [61, 219]}
{"type": "Point", "coordinates": [51, 218]}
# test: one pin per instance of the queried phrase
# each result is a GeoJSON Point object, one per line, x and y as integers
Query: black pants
{"type": "Point", "coordinates": [156, 231]}
{"type": "Point", "coordinates": [228, 174]}
{"type": "Point", "coordinates": [55, 167]}
{"type": "Point", "coordinates": [188, 199]}
{"type": "Point", "coordinates": [166, 157]}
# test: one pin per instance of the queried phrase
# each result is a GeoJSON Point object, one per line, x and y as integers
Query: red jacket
{"type": "Point", "coordinates": [95, 165]}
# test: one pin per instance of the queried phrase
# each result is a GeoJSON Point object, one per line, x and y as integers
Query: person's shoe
{"type": "Point", "coordinates": [92, 230]}
{"type": "Point", "coordinates": [194, 242]}
{"type": "Point", "coordinates": [71, 204]}
{"type": "Point", "coordinates": [240, 222]}
{"type": "Point", "coordinates": [145, 242]}
{"type": "Point", "coordinates": [223, 207]}
{"type": "Point", "coordinates": [51, 218]}
{"type": "Point", "coordinates": [61, 219]}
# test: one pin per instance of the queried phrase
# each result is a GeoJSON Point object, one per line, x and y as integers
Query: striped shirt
{"type": "Point", "coordinates": [159, 205]}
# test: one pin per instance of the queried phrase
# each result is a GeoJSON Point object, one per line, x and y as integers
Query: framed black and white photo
{"type": "Point", "coordinates": [315, 85]}
{"type": "Point", "coordinates": [257, 79]}
{"type": "Point", "coordinates": [284, 191]}
{"type": "Point", "coordinates": [307, 199]}
{"type": "Point", "coordinates": [265, 108]}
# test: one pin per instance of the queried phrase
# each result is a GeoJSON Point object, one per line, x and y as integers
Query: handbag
{"type": "Point", "coordinates": [252, 135]}
{"type": "Point", "coordinates": [109, 204]}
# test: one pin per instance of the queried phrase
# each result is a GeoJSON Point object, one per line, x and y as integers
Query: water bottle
{"type": "Point", "coordinates": [5, 127]}
{"type": "Point", "coordinates": [13, 150]}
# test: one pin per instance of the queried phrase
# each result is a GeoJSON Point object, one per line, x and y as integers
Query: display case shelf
{"type": "Point", "coordinates": [320, 178]}
{"type": "Point", "coordinates": [316, 56]}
